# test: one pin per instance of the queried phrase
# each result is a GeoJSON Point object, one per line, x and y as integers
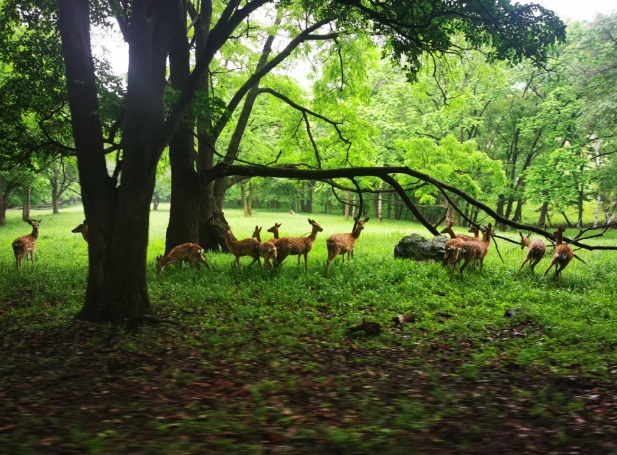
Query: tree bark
{"type": "Point", "coordinates": [25, 213]}
{"type": "Point", "coordinates": [54, 192]}
{"type": "Point", "coordinates": [543, 212]}
{"type": "Point", "coordinates": [118, 217]}
{"type": "Point", "coordinates": [346, 208]}
{"type": "Point", "coordinates": [309, 196]}
{"type": "Point", "coordinates": [245, 205]}
{"type": "Point", "coordinates": [249, 199]}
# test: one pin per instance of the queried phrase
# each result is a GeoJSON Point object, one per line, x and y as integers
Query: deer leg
{"type": "Point", "coordinates": [520, 268]}
{"type": "Point", "coordinates": [454, 268]}
{"type": "Point", "coordinates": [549, 266]}
{"type": "Point", "coordinates": [533, 264]}
{"type": "Point", "coordinates": [203, 259]}
{"type": "Point", "coordinates": [463, 267]}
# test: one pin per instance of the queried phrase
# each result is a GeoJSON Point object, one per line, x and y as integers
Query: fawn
{"type": "Point", "coordinates": [275, 231]}
{"type": "Point", "coordinates": [83, 230]}
{"type": "Point", "coordinates": [186, 252]}
{"type": "Point", "coordinates": [537, 250]}
{"type": "Point", "coordinates": [473, 250]}
{"type": "Point", "coordinates": [562, 255]}
{"type": "Point", "coordinates": [266, 250]}
{"type": "Point", "coordinates": [297, 246]}
{"type": "Point", "coordinates": [343, 243]}
{"type": "Point", "coordinates": [456, 242]}
{"type": "Point", "coordinates": [25, 244]}
{"type": "Point", "coordinates": [239, 248]}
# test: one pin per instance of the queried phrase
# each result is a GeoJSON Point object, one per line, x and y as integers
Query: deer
{"type": "Point", "coordinates": [275, 231]}
{"type": "Point", "coordinates": [266, 250]}
{"type": "Point", "coordinates": [537, 250]}
{"type": "Point", "coordinates": [562, 255]}
{"type": "Point", "coordinates": [339, 244]}
{"type": "Point", "coordinates": [26, 244]}
{"type": "Point", "coordinates": [473, 250]}
{"type": "Point", "coordinates": [239, 248]}
{"type": "Point", "coordinates": [297, 246]}
{"type": "Point", "coordinates": [453, 245]}
{"type": "Point", "coordinates": [83, 230]}
{"type": "Point", "coordinates": [186, 252]}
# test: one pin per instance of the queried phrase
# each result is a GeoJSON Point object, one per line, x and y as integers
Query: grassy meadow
{"type": "Point", "coordinates": [263, 362]}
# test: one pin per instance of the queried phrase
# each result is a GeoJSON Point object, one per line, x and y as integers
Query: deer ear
{"type": "Point", "coordinates": [366, 219]}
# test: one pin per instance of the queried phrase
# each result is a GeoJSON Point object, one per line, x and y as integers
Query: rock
{"type": "Point", "coordinates": [418, 248]}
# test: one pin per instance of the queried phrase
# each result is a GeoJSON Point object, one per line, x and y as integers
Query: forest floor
{"type": "Point", "coordinates": [265, 363]}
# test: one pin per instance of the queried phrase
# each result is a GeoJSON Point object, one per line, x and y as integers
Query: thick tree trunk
{"type": "Point", "coordinates": [25, 212]}
{"type": "Point", "coordinates": [156, 200]}
{"type": "Point", "coordinates": [346, 208]}
{"type": "Point", "coordinates": [117, 288]}
{"type": "Point", "coordinates": [518, 213]}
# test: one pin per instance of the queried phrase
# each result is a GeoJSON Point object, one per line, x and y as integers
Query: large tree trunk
{"type": "Point", "coordinates": [25, 213]}
{"type": "Point", "coordinates": [118, 218]}
{"type": "Point", "coordinates": [518, 213]}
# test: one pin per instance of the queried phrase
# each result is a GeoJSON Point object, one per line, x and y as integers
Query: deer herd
{"type": "Point", "coordinates": [459, 249]}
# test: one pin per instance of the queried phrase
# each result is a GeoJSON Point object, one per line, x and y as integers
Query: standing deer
{"type": "Point", "coordinates": [239, 248]}
{"type": "Point", "coordinates": [25, 244]}
{"type": "Point", "coordinates": [186, 252]}
{"type": "Point", "coordinates": [562, 255]}
{"type": "Point", "coordinates": [456, 242]}
{"type": "Point", "coordinates": [344, 243]}
{"type": "Point", "coordinates": [537, 250]}
{"type": "Point", "coordinates": [297, 246]}
{"type": "Point", "coordinates": [473, 250]}
{"type": "Point", "coordinates": [83, 230]}
{"type": "Point", "coordinates": [275, 231]}
{"type": "Point", "coordinates": [266, 250]}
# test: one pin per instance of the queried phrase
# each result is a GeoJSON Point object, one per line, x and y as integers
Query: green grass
{"type": "Point", "coordinates": [264, 359]}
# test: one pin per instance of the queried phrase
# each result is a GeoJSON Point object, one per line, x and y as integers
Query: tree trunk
{"type": "Point", "coordinates": [518, 213]}
{"type": "Point", "coordinates": [379, 206]}
{"type": "Point", "coordinates": [118, 217]}
{"type": "Point", "coordinates": [2, 206]}
{"type": "Point", "coordinates": [309, 197]}
{"type": "Point", "coordinates": [389, 205]}
{"type": "Point", "coordinates": [55, 196]}
{"type": "Point", "coordinates": [301, 199]}
{"type": "Point", "coordinates": [596, 215]}
{"type": "Point", "coordinates": [543, 212]}
{"type": "Point", "coordinates": [581, 202]}
{"type": "Point", "coordinates": [565, 217]}
{"type": "Point", "coordinates": [25, 213]}
{"type": "Point", "coordinates": [501, 201]}
{"type": "Point", "coordinates": [346, 208]}
{"type": "Point", "coordinates": [249, 199]}
{"type": "Point", "coordinates": [156, 200]}
{"type": "Point", "coordinates": [243, 196]}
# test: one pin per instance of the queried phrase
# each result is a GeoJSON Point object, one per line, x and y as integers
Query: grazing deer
{"type": "Point", "coordinates": [266, 250]}
{"type": "Point", "coordinates": [239, 248]}
{"type": "Point", "coordinates": [297, 246]}
{"type": "Point", "coordinates": [83, 230]}
{"type": "Point", "coordinates": [562, 255]}
{"type": "Point", "coordinates": [275, 231]}
{"type": "Point", "coordinates": [186, 252]}
{"type": "Point", "coordinates": [537, 250]}
{"type": "Point", "coordinates": [473, 250]}
{"type": "Point", "coordinates": [25, 244]}
{"type": "Point", "coordinates": [344, 243]}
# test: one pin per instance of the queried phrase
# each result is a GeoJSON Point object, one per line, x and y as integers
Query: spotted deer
{"type": "Point", "coordinates": [186, 252]}
{"type": "Point", "coordinates": [473, 250]}
{"type": "Point", "coordinates": [300, 246]}
{"type": "Point", "coordinates": [456, 241]}
{"type": "Point", "coordinates": [339, 244]}
{"type": "Point", "coordinates": [537, 250]}
{"type": "Point", "coordinates": [562, 255]}
{"type": "Point", "coordinates": [239, 248]}
{"type": "Point", "coordinates": [83, 230]}
{"type": "Point", "coordinates": [275, 232]}
{"type": "Point", "coordinates": [26, 244]}
{"type": "Point", "coordinates": [267, 250]}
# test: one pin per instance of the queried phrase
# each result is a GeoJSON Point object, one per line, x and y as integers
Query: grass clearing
{"type": "Point", "coordinates": [263, 362]}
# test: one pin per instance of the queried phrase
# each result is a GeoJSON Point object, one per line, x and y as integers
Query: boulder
{"type": "Point", "coordinates": [418, 248]}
